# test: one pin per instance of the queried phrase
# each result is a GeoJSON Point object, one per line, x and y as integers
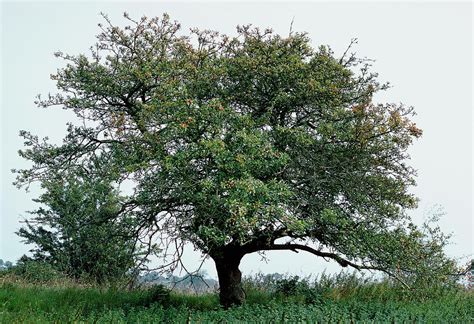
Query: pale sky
{"type": "Point", "coordinates": [423, 49]}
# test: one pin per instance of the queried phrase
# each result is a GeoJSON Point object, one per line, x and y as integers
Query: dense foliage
{"type": "Point", "coordinates": [233, 143]}
{"type": "Point", "coordinates": [78, 230]}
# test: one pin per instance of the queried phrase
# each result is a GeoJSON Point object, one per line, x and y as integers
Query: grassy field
{"type": "Point", "coordinates": [289, 301]}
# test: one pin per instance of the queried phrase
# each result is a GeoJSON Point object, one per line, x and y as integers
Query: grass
{"type": "Point", "coordinates": [290, 301]}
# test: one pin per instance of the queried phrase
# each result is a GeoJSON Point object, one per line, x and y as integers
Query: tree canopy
{"type": "Point", "coordinates": [234, 142]}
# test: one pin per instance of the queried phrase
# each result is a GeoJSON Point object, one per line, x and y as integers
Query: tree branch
{"type": "Point", "coordinates": [342, 262]}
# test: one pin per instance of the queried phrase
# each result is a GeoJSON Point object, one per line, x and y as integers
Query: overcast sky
{"type": "Point", "coordinates": [423, 49]}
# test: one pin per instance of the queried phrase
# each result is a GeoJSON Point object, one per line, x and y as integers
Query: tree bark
{"type": "Point", "coordinates": [230, 279]}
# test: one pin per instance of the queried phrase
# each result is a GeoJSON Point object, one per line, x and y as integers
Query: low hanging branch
{"type": "Point", "coordinates": [341, 261]}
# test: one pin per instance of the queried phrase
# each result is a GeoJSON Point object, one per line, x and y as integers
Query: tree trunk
{"type": "Point", "coordinates": [230, 279]}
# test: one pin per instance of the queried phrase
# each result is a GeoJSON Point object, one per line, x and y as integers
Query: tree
{"type": "Point", "coordinates": [80, 231]}
{"type": "Point", "coordinates": [241, 144]}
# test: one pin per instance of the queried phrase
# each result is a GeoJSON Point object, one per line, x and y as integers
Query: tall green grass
{"type": "Point", "coordinates": [329, 299]}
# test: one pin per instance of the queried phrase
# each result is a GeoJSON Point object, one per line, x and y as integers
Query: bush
{"type": "Point", "coordinates": [271, 286]}
{"type": "Point", "coordinates": [159, 293]}
{"type": "Point", "coordinates": [306, 290]}
{"type": "Point", "coordinates": [79, 229]}
{"type": "Point", "coordinates": [37, 272]}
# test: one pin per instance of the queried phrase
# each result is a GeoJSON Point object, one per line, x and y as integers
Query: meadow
{"type": "Point", "coordinates": [343, 298]}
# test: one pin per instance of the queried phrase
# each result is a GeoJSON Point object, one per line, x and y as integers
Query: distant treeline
{"type": "Point", "coordinates": [5, 264]}
{"type": "Point", "coordinates": [190, 283]}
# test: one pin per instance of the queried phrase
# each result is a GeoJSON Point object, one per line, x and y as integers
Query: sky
{"type": "Point", "coordinates": [423, 49]}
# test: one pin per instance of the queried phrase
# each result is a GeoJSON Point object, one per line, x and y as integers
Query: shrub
{"type": "Point", "coordinates": [159, 293]}
{"type": "Point", "coordinates": [37, 272]}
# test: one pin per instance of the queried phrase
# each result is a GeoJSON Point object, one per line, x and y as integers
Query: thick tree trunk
{"type": "Point", "coordinates": [230, 279]}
